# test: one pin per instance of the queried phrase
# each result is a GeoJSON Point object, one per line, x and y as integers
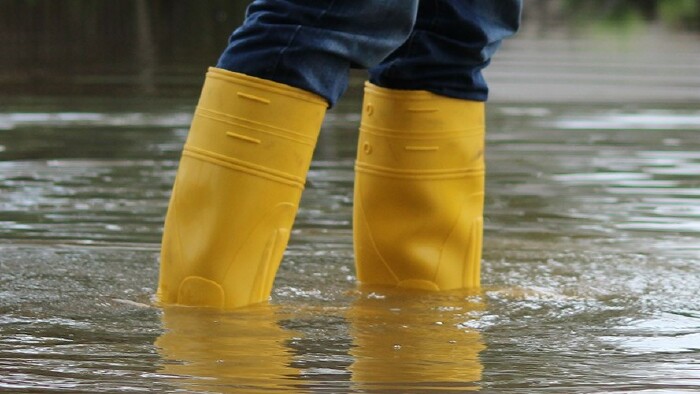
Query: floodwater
{"type": "Point", "coordinates": [591, 264]}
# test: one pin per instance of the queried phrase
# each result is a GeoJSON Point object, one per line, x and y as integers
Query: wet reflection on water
{"type": "Point", "coordinates": [412, 341]}
{"type": "Point", "coordinates": [234, 352]}
{"type": "Point", "coordinates": [395, 340]}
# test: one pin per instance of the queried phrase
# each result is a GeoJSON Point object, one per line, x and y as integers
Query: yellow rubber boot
{"type": "Point", "coordinates": [419, 190]}
{"type": "Point", "coordinates": [237, 190]}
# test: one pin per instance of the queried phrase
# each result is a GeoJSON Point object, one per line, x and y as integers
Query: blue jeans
{"type": "Point", "coordinates": [436, 45]}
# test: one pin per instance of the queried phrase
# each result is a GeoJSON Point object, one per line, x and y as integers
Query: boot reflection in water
{"type": "Point", "coordinates": [409, 341]}
{"type": "Point", "coordinates": [420, 176]}
{"type": "Point", "coordinates": [217, 352]}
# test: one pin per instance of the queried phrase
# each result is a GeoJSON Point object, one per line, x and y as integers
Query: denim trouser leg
{"type": "Point", "coordinates": [439, 46]}
{"type": "Point", "coordinates": [452, 41]}
{"type": "Point", "coordinates": [312, 44]}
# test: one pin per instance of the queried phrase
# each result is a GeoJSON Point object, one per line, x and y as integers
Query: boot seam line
{"type": "Point", "coordinates": [418, 174]}
{"type": "Point", "coordinates": [233, 121]}
{"type": "Point", "coordinates": [370, 236]}
{"type": "Point", "coordinates": [444, 134]}
{"type": "Point", "coordinates": [246, 167]}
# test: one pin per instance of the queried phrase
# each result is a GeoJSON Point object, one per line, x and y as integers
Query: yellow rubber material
{"type": "Point", "coordinates": [237, 190]}
{"type": "Point", "coordinates": [419, 190]}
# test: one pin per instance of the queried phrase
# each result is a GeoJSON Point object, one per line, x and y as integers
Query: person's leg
{"type": "Point", "coordinates": [419, 184]}
{"type": "Point", "coordinates": [311, 44]}
{"type": "Point", "coordinates": [249, 148]}
{"type": "Point", "coordinates": [451, 43]}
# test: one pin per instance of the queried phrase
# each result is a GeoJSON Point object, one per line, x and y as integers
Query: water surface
{"type": "Point", "coordinates": [591, 261]}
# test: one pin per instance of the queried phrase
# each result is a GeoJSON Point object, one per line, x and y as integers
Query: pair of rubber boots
{"type": "Point", "coordinates": [418, 204]}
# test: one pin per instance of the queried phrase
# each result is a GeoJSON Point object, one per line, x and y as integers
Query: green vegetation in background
{"type": "Point", "coordinates": [631, 15]}
{"type": "Point", "coordinates": [681, 13]}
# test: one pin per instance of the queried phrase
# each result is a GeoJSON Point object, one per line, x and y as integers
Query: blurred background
{"type": "Point", "coordinates": [164, 46]}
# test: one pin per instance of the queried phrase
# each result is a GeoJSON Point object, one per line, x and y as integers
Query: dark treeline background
{"type": "Point", "coordinates": [159, 46]}
{"type": "Point", "coordinates": [125, 43]}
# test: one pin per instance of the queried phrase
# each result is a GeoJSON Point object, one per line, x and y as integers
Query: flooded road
{"type": "Point", "coordinates": [591, 265]}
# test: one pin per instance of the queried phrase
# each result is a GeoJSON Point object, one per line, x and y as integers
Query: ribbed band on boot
{"type": "Point", "coordinates": [273, 127]}
{"type": "Point", "coordinates": [420, 134]}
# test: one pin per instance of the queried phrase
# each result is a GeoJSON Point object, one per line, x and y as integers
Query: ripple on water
{"type": "Point", "coordinates": [14, 120]}
{"type": "Point", "coordinates": [677, 332]}
{"type": "Point", "coordinates": [649, 119]}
